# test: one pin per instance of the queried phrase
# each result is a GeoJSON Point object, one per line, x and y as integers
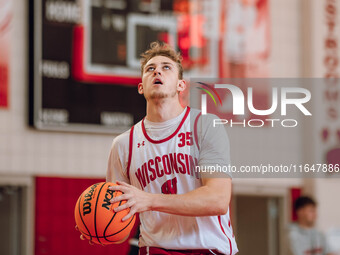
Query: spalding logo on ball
{"type": "Point", "coordinates": [97, 220]}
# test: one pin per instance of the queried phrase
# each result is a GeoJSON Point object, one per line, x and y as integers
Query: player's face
{"type": "Point", "coordinates": [160, 79]}
{"type": "Point", "coordinates": [308, 215]}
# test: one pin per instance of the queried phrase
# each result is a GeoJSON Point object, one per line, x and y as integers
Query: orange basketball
{"type": "Point", "coordinates": [97, 220]}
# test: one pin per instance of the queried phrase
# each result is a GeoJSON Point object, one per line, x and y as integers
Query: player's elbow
{"type": "Point", "coordinates": [220, 206]}
{"type": "Point", "coordinates": [218, 194]}
{"type": "Point", "coordinates": [223, 208]}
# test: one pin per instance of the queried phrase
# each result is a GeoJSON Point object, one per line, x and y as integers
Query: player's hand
{"type": "Point", "coordinates": [136, 199]}
{"type": "Point", "coordinates": [82, 237]}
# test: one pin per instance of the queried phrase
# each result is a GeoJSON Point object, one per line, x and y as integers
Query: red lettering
{"type": "Point", "coordinates": [152, 170]}
{"type": "Point", "coordinates": [188, 136]}
{"type": "Point", "coordinates": [332, 113]}
{"type": "Point", "coordinates": [145, 170]}
{"type": "Point", "coordinates": [159, 173]}
{"type": "Point", "coordinates": [141, 177]}
{"type": "Point", "coordinates": [331, 62]}
{"type": "Point", "coordinates": [191, 165]}
{"type": "Point", "coordinates": [332, 96]}
{"type": "Point", "coordinates": [182, 139]}
{"type": "Point", "coordinates": [166, 164]}
{"type": "Point", "coordinates": [170, 186]}
{"type": "Point", "coordinates": [180, 157]}
{"type": "Point", "coordinates": [331, 43]}
{"type": "Point", "coordinates": [331, 9]}
{"type": "Point", "coordinates": [173, 162]}
{"type": "Point", "coordinates": [187, 164]}
{"type": "Point", "coordinates": [331, 75]}
{"type": "Point", "coordinates": [185, 139]}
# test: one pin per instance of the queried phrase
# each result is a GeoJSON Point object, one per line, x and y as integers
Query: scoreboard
{"type": "Point", "coordinates": [84, 57]}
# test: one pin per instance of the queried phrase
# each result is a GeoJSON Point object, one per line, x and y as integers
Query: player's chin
{"type": "Point", "coordinates": [157, 95]}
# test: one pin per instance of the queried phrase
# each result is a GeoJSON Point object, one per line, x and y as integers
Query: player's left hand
{"type": "Point", "coordinates": [82, 236]}
{"type": "Point", "coordinates": [136, 199]}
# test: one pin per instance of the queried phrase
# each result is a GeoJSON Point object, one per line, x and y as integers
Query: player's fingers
{"type": "Point", "coordinates": [123, 183]}
{"type": "Point", "coordinates": [82, 237]}
{"type": "Point", "coordinates": [121, 188]}
{"type": "Point", "coordinates": [76, 227]}
{"type": "Point", "coordinates": [116, 187]}
{"type": "Point", "coordinates": [120, 198]}
{"type": "Point", "coordinates": [91, 243]}
{"type": "Point", "coordinates": [129, 215]}
{"type": "Point", "coordinates": [122, 207]}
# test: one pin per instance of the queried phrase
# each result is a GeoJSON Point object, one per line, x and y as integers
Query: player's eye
{"type": "Point", "coordinates": [150, 69]}
{"type": "Point", "coordinates": [167, 67]}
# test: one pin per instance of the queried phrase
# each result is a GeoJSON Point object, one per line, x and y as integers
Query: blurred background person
{"type": "Point", "coordinates": [304, 238]}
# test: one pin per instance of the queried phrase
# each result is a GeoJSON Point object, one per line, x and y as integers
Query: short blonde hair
{"type": "Point", "coordinates": [162, 49]}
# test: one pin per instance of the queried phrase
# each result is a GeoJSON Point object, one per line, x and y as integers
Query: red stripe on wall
{"type": "Point", "coordinates": [294, 194]}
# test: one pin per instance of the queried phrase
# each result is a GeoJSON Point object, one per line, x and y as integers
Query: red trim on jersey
{"type": "Point", "coordinates": [169, 137]}
{"type": "Point", "coordinates": [230, 245]}
{"type": "Point", "coordinates": [195, 130]}
{"type": "Point", "coordinates": [130, 152]}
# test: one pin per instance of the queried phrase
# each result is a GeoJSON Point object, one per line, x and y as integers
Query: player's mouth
{"type": "Point", "coordinates": [157, 81]}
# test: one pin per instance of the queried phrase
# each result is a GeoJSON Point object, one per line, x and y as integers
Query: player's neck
{"type": "Point", "coordinates": [162, 111]}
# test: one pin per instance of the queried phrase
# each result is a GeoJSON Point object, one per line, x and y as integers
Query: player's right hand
{"type": "Point", "coordinates": [82, 237]}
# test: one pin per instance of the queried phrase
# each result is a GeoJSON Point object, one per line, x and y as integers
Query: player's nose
{"type": "Point", "coordinates": [157, 71]}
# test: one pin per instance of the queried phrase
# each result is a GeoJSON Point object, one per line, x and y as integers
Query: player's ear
{"type": "Point", "coordinates": [182, 84]}
{"type": "Point", "coordinates": [140, 88]}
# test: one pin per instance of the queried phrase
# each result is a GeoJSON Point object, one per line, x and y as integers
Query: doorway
{"type": "Point", "coordinates": [258, 224]}
{"type": "Point", "coordinates": [11, 215]}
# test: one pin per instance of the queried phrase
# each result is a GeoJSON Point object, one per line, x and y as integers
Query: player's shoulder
{"type": "Point", "coordinates": [194, 112]}
{"type": "Point", "coordinates": [205, 119]}
{"type": "Point", "coordinates": [122, 141]}
{"type": "Point", "coordinates": [198, 113]}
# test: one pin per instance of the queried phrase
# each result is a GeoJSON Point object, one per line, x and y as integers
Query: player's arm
{"type": "Point", "coordinates": [116, 167]}
{"type": "Point", "coordinates": [212, 198]}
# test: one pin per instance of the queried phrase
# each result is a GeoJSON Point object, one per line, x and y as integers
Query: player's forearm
{"type": "Point", "coordinates": [203, 201]}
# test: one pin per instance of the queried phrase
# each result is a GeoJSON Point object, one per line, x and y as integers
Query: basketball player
{"type": "Point", "coordinates": [182, 210]}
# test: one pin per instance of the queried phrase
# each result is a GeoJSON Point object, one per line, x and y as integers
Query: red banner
{"type": "Point", "coordinates": [245, 44]}
{"type": "Point", "coordinates": [5, 21]}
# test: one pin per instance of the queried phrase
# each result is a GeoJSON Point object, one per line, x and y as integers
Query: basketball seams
{"type": "Point", "coordinates": [132, 218]}
{"type": "Point", "coordinates": [95, 212]}
{"type": "Point", "coordinates": [120, 203]}
{"type": "Point", "coordinates": [81, 217]}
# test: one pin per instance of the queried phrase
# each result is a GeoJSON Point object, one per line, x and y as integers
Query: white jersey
{"type": "Point", "coordinates": [167, 166]}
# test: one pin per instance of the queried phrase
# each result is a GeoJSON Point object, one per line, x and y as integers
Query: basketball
{"type": "Point", "coordinates": [96, 219]}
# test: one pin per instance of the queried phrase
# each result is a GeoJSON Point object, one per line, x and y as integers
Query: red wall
{"type": "Point", "coordinates": [54, 219]}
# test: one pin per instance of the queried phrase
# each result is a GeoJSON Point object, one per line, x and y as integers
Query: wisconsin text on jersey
{"type": "Point", "coordinates": [168, 164]}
